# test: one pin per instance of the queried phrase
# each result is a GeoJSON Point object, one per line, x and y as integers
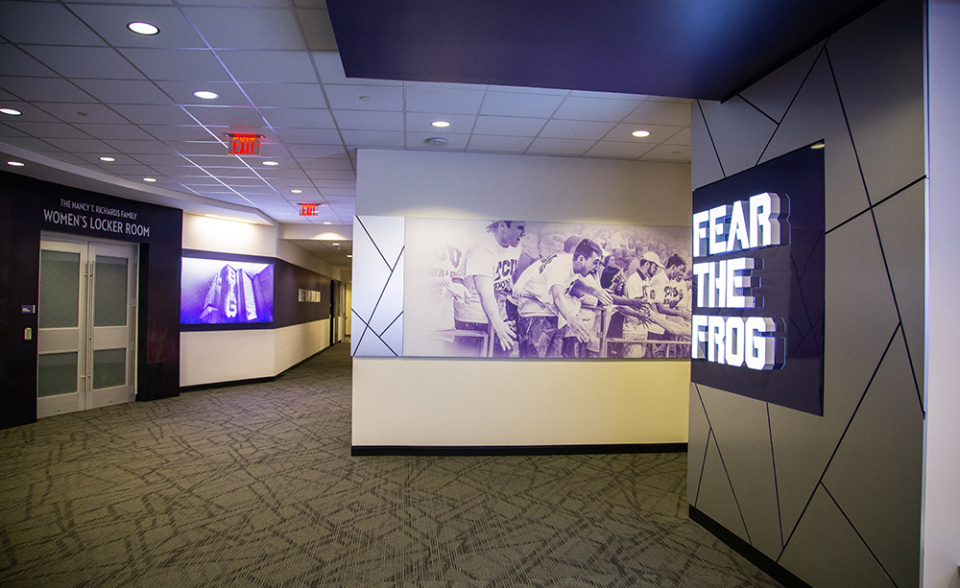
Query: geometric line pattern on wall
{"type": "Point", "coordinates": [378, 286]}
{"type": "Point", "coordinates": [847, 485]}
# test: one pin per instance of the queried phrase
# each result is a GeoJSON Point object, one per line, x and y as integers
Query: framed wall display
{"type": "Point", "coordinates": [759, 280]}
{"type": "Point", "coordinates": [226, 293]}
{"type": "Point", "coordinates": [519, 289]}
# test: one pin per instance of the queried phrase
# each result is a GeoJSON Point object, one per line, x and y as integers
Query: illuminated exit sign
{"type": "Point", "coordinates": [245, 144]}
{"type": "Point", "coordinates": [309, 209]}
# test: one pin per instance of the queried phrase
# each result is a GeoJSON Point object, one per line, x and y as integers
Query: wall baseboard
{"type": "Point", "coordinates": [466, 451]}
{"type": "Point", "coordinates": [755, 556]}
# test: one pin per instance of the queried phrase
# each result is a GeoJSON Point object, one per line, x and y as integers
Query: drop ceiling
{"type": "Point", "coordinates": [89, 88]}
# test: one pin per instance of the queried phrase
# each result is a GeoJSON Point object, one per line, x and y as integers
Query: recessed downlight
{"type": "Point", "coordinates": [640, 134]}
{"type": "Point", "coordinates": [108, 159]}
{"type": "Point", "coordinates": [271, 163]}
{"type": "Point", "coordinates": [11, 111]}
{"type": "Point", "coordinates": [327, 223]}
{"type": "Point", "coordinates": [151, 180]}
{"type": "Point", "coordinates": [206, 95]}
{"type": "Point", "coordinates": [440, 124]}
{"type": "Point", "coordinates": [818, 145]}
{"type": "Point", "coordinates": [16, 163]}
{"type": "Point", "coordinates": [143, 28]}
{"type": "Point", "coordinates": [295, 191]}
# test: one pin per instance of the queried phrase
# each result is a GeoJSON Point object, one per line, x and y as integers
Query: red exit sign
{"type": "Point", "coordinates": [309, 209]}
{"type": "Point", "coordinates": [245, 144]}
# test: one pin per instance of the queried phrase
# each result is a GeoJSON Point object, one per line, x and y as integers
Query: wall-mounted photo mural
{"type": "Point", "coordinates": [219, 292]}
{"type": "Point", "coordinates": [508, 288]}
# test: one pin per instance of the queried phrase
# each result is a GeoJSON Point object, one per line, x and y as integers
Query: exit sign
{"type": "Point", "coordinates": [309, 209]}
{"type": "Point", "coordinates": [245, 144]}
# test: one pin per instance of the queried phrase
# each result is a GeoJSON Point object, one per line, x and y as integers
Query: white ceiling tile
{"type": "Point", "coordinates": [249, 28]}
{"type": "Point", "coordinates": [339, 162]}
{"type": "Point", "coordinates": [421, 121]}
{"type": "Point", "coordinates": [139, 147]}
{"type": "Point", "coordinates": [617, 150]}
{"type": "Point", "coordinates": [342, 184]}
{"type": "Point", "coordinates": [373, 139]}
{"type": "Point", "coordinates": [46, 130]}
{"type": "Point", "coordinates": [182, 93]}
{"type": "Point", "coordinates": [309, 136]}
{"type": "Point", "coordinates": [317, 29]}
{"type": "Point", "coordinates": [192, 132]}
{"type": "Point", "coordinates": [228, 116]}
{"type": "Point", "coordinates": [560, 146]}
{"type": "Point", "coordinates": [8, 131]}
{"type": "Point", "coordinates": [454, 142]}
{"type": "Point", "coordinates": [576, 129]}
{"type": "Point", "coordinates": [82, 146]}
{"type": "Point", "coordinates": [83, 113]}
{"type": "Point", "coordinates": [527, 90]}
{"type": "Point", "coordinates": [172, 163]}
{"type": "Point", "coordinates": [596, 109]}
{"type": "Point", "coordinates": [17, 62]}
{"type": "Point", "coordinates": [68, 158]}
{"type": "Point", "coordinates": [279, 174]}
{"type": "Point", "coordinates": [501, 144]}
{"type": "Point", "coordinates": [124, 91]}
{"type": "Point", "coordinates": [681, 138]}
{"type": "Point", "coordinates": [110, 22]}
{"type": "Point", "coordinates": [678, 153]}
{"type": "Point", "coordinates": [191, 148]}
{"type": "Point", "coordinates": [358, 97]}
{"type": "Point", "coordinates": [85, 62]}
{"type": "Point", "coordinates": [127, 132]}
{"type": "Point", "coordinates": [362, 120]}
{"type": "Point", "coordinates": [269, 66]}
{"type": "Point", "coordinates": [31, 143]}
{"type": "Point", "coordinates": [509, 125]}
{"type": "Point", "coordinates": [443, 100]}
{"type": "Point", "coordinates": [517, 104]}
{"type": "Point", "coordinates": [177, 64]}
{"type": "Point", "coordinates": [60, 27]}
{"type": "Point", "coordinates": [44, 89]}
{"type": "Point", "coordinates": [661, 113]}
{"type": "Point", "coordinates": [331, 174]}
{"type": "Point", "coordinates": [125, 169]}
{"type": "Point", "coordinates": [658, 133]}
{"type": "Point", "coordinates": [216, 161]}
{"type": "Point", "coordinates": [306, 118]}
{"type": "Point", "coordinates": [285, 95]}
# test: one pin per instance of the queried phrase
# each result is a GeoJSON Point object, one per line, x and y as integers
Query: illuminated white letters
{"type": "Point", "coordinates": [728, 283]}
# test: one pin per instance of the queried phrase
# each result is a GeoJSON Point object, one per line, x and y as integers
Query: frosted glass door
{"type": "Point", "coordinates": [87, 325]}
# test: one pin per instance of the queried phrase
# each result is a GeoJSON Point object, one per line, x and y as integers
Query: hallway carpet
{"type": "Point", "coordinates": [254, 485]}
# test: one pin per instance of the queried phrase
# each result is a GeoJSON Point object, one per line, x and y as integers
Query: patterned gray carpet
{"type": "Point", "coordinates": [255, 486]}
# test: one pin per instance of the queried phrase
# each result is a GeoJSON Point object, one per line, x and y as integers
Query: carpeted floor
{"type": "Point", "coordinates": [255, 486]}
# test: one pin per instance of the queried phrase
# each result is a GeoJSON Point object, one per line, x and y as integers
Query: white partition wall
{"type": "Point", "coordinates": [457, 402]}
{"type": "Point", "coordinates": [834, 500]}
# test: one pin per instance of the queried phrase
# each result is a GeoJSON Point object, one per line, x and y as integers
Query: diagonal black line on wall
{"type": "Point", "coordinates": [876, 227]}
{"type": "Point", "coordinates": [713, 144]}
{"type": "Point", "coordinates": [373, 242]}
{"type": "Point", "coordinates": [789, 106]}
{"type": "Point", "coordinates": [859, 536]}
{"type": "Point", "coordinates": [725, 470]}
{"type": "Point", "coordinates": [776, 483]}
{"type": "Point", "coordinates": [387, 328]}
{"type": "Point", "coordinates": [366, 326]}
{"type": "Point", "coordinates": [379, 298]}
{"type": "Point", "coordinates": [836, 447]}
{"type": "Point", "coordinates": [703, 462]}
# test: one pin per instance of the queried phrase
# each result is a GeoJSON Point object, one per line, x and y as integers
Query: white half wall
{"type": "Point", "coordinates": [445, 402]}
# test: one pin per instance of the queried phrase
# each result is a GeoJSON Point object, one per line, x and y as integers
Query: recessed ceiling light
{"type": "Point", "coordinates": [818, 145]}
{"type": "Point", "coordinates": [206, 95]}
{"type": "Point", "coordinates": [640, 134]}
{"type": "Point", "coordinates": [149, 179]}
{"type": "Point", "coordinates": [16, 163]}
{"type": "Point", "coordinates": [143, 28]}
{"type": "Point", "coordinates": [440, 124]}
{"type": "Point", "coordinates": [327, 223]}
{"type": "Point", "coordinates": [11, 111]}
{"type": "Point", "coordinates": [335, 244]}
{"type": "Point", "coordinates": [349, 256]}
{"type": "Point", "coordinates": [295, 191]}
{"type": "Point", "coordinates": [107, 159]}
{"type": "Point", "coordinates": [270, 163]}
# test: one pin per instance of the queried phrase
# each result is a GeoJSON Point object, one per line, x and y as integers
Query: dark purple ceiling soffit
{"type": "Point", "coordinates": [709, 49]}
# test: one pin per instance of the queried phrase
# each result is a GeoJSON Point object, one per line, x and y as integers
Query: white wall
{"type": "Point", "coordinates": [228, 356]}
{"type": "Point", "coordinates": [941, 495]}
{"type": "Point", "coordinates": [448, 402]}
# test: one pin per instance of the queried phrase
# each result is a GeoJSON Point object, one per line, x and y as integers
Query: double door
{"type": "Point", "coordinates": [87, 325]}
